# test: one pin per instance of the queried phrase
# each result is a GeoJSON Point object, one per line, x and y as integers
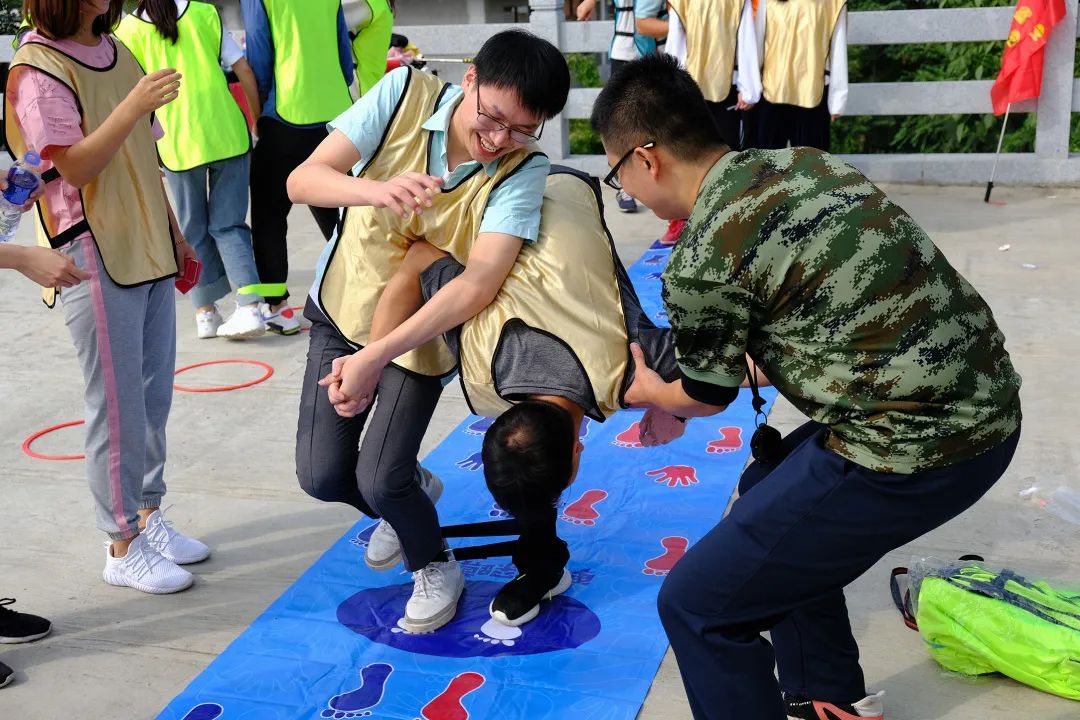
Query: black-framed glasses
{"type": "Point", "coordinates": [612, 178]}
{"type": "Point", "coordinates": [489, 123]}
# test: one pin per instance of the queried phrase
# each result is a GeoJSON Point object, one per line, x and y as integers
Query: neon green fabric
{"type": "Point", "coordinates": [975, 621]}
{"type": "Point", "coordinates": [370, 44]}
{"type": "Point", "coordinates": [204, 124]}
{"type": "Point", "coordinates": [309, 85]}
{"type": "Point", "coordinates": [265, 289]}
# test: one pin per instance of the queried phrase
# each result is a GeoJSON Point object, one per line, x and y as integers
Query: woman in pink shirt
{"type": "Point", "coordinates": [80, 99]}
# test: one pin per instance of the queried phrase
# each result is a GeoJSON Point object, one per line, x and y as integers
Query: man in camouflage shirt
{"type": "Point", "coordinates": [794, 258]}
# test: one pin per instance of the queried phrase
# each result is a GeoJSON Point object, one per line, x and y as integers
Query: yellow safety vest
{"type": "Point", "coordinates": [204, 124]}
{"type": "Point", "coordinates": [309, 85]}
{"type": "Point", "coordinates": [372, 241]}
{"type": "Point", "coordinates": [564, 285]}
{"type": "Point", "coordinates": [124, 206]}
{"type": "Point", "coordinates": [798, 37]}
{"type": "Point", "coordinates": [712, 33]}
{"type": "Point", "coordinates": [370, 44]}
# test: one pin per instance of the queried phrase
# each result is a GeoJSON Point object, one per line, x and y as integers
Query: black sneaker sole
{"type": "Point", "coordinates": [277, 330]}
{"type": "Point", "coordinates": [25, 639]}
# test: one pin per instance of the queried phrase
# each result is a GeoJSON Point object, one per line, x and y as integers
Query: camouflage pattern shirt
{"type": "Point", "coordinates": [795, 258]}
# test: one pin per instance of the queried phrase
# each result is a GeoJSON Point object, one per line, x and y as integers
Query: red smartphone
{"type": "Point", "coordinates": [190, 276]}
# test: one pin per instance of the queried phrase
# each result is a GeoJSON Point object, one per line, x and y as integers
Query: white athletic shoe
{"type": "Point", "coordinates": [246, 322]}
{"type": "Point", "coordinates": [282, 322]}
{"type": "Point", "coordinates": [143, 568]}
{"type": "Point", "coordinates": [436, 591]}
{"type": "Point", "coordinates": [171, 543]}
{"type": "Point", "coordinates": [207, 323]}
{"type": "Point", "coordinates": [384, 549]}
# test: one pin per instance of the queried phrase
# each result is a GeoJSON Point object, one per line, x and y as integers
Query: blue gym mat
{"type": "Point", "coordinates": [331, 645]}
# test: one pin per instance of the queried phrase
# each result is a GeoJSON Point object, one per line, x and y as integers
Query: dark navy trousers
{"type": "Point", "coordinates": [800, 532]}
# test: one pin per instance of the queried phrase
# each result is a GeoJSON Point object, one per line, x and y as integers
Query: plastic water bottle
{"type": "Point", "coordinates": [23, 179]}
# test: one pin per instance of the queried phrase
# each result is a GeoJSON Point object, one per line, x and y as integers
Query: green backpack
{"type": "Point", "coordinates": [976, 621]}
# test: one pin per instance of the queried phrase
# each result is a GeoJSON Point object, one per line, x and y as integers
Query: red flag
{"type": "Point", "coordinates": [1022, 64]}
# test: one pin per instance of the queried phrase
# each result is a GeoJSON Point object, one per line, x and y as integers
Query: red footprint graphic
{"type": "Point", "coordinates": [583, 511]}
{"type": "Point", "coordinates": [674, 548]}
{"type": "Point", "coordinates": [730, 441]}
{"type": "Point", "coordinates": [448, 705]}
{"type": "Point", "coordinates": [630, 437]}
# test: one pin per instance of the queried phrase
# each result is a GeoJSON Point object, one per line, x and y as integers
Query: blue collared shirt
{"type": "Point", "coordinates": [259, 48]}
{"type": "Point", "coordinates": [513, 208]}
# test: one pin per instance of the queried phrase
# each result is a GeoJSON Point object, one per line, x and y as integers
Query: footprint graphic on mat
{"type": "Point", "coordinates": [730, 441]}
{"type": "Point", "coordinates": [630, 437]}
{"type": "Point", "coordinates": [449, 705]}
{"type": "Point", "coordinates": [364, 536]}
{"type": "Point", "coordinates": [205, 711]}
{"type": "Point", "coordinates": [358, 703]}
{"type": "Point", "coordinates": [583, 510]}
{"type": "Point", "coordinates": [583, 432]}
{"type": "Point", "coordinates": [495, 633]}
{"type": "Point", "coordinates": [674, 549]}
{"type": "Point", "coordinates": [480, 426]}
{"type": "Point", "coordinates": [497, 512]}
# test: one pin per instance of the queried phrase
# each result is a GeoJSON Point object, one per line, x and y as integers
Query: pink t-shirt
{"type": "Point", "coordinates": [48, 115]}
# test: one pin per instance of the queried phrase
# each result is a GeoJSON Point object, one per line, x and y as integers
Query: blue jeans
{"type": "Point", "coordinates": [215, 224]}
{"type": "Point", "coordinates": [799, 532]}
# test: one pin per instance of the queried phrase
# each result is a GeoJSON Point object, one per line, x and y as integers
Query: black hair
{"type": "Point", "coordinates": [531, 66]}
{"type": "Point", "coordinates": [652, 99]}
{"type": "Point", "coordinates": [528, 456]}
{"type": "Point", "coordinates": [162, 13]}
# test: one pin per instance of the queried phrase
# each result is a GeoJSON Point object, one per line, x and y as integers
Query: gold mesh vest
{"type": "Point", "coordinates": [373, 241]}
{"type": "Point", "coordinates": [124, 205]}
{"type": "Point", "coordinates": [798, 35]}
{"type": "Point", "coordinates": [564, 285]}
{"type": "Point", "coordinates": [712, 31]}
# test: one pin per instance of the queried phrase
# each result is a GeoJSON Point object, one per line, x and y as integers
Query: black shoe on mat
{"type": "Point", "coordinates": [519, 600]}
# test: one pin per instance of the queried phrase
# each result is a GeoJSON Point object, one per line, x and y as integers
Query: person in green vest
{"type": "Point", "coordinates": [302, 58]}
{"type": "Point", "coordinates": [206, 145]}
{"type": "Point", "coordinates": [372, 23]}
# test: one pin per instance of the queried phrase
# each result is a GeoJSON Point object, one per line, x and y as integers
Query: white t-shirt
{"type": "Point", "coordinates": [230, 50]}
{"type": "Point", "coordinates": [748, 80]}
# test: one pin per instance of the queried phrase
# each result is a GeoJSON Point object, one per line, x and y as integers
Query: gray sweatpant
{"type": "Point", "coordinates": [126, 343]}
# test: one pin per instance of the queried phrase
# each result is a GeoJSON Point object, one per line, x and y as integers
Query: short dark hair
{"type": "Point", "coordinates": [652, 99]}
{"type": "Point", "coordinates": [59, 19]}
{"type": "Point", "coordinates": [528, 456]}
{"type": "Point", "coordinates": [531, 66]}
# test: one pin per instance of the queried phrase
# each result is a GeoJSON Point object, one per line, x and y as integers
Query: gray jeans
{"type": "Point", "coordinates": [378, 476]}
{"type": "Point", "coordinates": [125, 339]}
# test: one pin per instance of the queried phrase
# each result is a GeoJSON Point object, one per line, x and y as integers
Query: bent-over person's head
{"type": "Point", "coordinates": [652, 118]}
{"type": "Point", "coordinates": [530, 456]}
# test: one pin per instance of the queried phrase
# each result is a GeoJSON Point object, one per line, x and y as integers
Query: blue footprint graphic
{"type": "Point", "coordinates": [498, 512]}
{"type": "Point", "coordinates": [358, 703]}
{"type": "Point", "coordinates": [479, 427]}
{"type": "Point", "coordinates": [364, 536]}
{"type": "Point", "coordinates": [584, 431]}
{"type": "Point", "coordinates": [205, 711]}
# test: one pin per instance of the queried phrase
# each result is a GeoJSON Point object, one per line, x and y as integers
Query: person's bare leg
{"type": "Point", "coordinates": [403, 296]}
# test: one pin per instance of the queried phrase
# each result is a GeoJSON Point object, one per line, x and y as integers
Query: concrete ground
{"type": "Point", "coordinates": [118, 653]}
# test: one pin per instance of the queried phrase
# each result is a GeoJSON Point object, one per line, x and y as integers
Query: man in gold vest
{"type": "Point", "coordinates": [550, 350]}
{"type": "Point", "coordinates": [415, 159]}
{"type": "Point", "coordinates": [804, 72]}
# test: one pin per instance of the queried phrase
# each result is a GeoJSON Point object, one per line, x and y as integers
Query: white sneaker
{"type": "Point", "coordinates": [282, 322]}
{"type": "Point", "coordinates": [143, 568]}
{"type": "Point", "coordinates": [384, 549]}
{"type": "Point", "coordinates": [436, 590]}
{"type": "Point", "coordinates": [246, 322]}
{"type": "Point", "coordinates": [207, 323]}
{"type": "Point", "coordinates": [171, 543]}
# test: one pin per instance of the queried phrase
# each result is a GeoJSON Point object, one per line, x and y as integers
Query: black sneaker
{"type": "Point", "coordinates": [871, 707]}
{"type": "Point", "coordinates": [6, 675]}
{"type": "Point", "coordinates": [519, 600]}
{"type": "Point", "coordinates": [17, 627]}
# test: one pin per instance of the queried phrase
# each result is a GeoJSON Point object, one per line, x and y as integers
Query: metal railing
{"type": "Point", "coordinates": [1050, 163]}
